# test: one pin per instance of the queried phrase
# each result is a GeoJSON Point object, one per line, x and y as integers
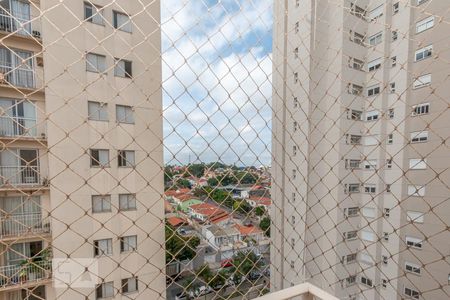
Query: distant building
{"type": "Point", "coordinates": [209, 214]}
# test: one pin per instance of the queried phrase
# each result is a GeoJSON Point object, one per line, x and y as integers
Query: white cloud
{"type": "Point", "coordinates": [217, 82]}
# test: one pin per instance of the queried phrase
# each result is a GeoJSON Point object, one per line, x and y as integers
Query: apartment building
{"type": "Point", "coordinates": [360, 163]}
{"type": "Point", "coordinates": [81, 156]}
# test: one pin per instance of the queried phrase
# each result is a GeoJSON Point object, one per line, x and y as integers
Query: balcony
{"type": "Point", "coordinates": [13, 127]}
{"type": "Point", "coordinates": [23, 225]}
{"type": "Point", "coordinates": [25, 275]}
{"type": "Point", "coordinates": [21, 24]}
{"type": "Point", "coordinates": [304, 291]}
{"type": "Point", "coordinates": [20, 176]}
{"type": "Point", "coordinates": [17, 76]}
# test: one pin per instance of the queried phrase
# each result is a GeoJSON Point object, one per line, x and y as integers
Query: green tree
{"type": "Point", "coordinates": [178, 247]}
{"type": "Point", "coordinates": [243, 264]}
{"type": "Point", "coordinates": [205, 273]}
{"type": "Point", "coordinates": [265, 225]}
{"type": "Point", "coordinates": [246, 178]}
{"type": "Point", "coordinates": [197, 170]}
{"type": "Point", "coordinates": [213, 182]}
{"type": "Point", "coordinates": [183, 183]}
{"type": "Point", "coordinates": [260, 211]}
{"type": "Point", "coordinates": [221, 197]}
{"type": "Point", "coordinates": [242, 207]}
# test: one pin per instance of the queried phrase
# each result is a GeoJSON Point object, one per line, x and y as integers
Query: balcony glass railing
{"type": "Point", "coordinates": [18, 126]}
{"type": "Point", "coordinates": [28, 272]}
{"type": "Point", "coordinates": [23, 224]}
{"type": "Point", "coordinates": [20, 175]}
{"type": "Point", "coordinates": [16, 24]}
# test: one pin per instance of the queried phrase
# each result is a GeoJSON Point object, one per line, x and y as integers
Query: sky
{"type": "Point", "coordinates": [217, 65]}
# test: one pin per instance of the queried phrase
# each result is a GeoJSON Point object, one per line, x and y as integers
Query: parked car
{"type": "Point", "coordinates": [226, 263]}
{"type": "Point", "coordinates": [181, 296]}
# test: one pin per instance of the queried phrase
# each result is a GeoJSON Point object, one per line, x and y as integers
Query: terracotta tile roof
{"type": "Point", "coordinates": [167, 206]}
{"type": "Point", "coordinates": [177, 192]}
{"type": "Point", "coordinates": [213, 213]}
{"type": "Point", "coordinates": [261, 200]}
{"type": "Point", "coordinates": [248, 230]}
{"type": "Point", "coordinates": [175, 221]}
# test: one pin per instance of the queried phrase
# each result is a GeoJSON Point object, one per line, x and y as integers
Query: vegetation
{"type": "Point", "coordinates": [178, 247]}
{"type": "Point", "coordinates": [242, 206]}
{"type": "Point", "coordinates": [243, 264]}
{"type": "Point", "coordinates": [265, 225]}
{"type": "Point", "coordinates": [260, 211]}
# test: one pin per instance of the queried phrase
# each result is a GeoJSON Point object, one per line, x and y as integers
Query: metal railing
{"type": "Point", "coordinates": [18, 126]}
{"type": "Point", "coordinates": [20, 175]}
{"type": "Point", "coordinates": [18, 76]}
{"type": "Point", "coordinates": [28, 272]}
{"type": "Point", "coordinates": [23, 224]}
{"type": "Point", "coordinates": [15, 24]}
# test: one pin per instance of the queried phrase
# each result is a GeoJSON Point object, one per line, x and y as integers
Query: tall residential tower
{"type": "Point", "coordinates": [81, 157]}
{"type": "Point", "coordinates": [360, 147]}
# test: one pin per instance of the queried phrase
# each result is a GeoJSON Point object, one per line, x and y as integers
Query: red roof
{"type": "Point", "coordinates": [248, 230]}
{"type": "Point", "coordinates": [177, 192]}
{"type": "Point", "coordinates": [175, 221]}
{"type": "Point", "coordinates": [167, 206]}
{"type": "Point", "coordinates": [213, 213]}
{"type": "Point", "coordinates": [185, 197]}
{"type": "Point", "coordinates": [261, 200]}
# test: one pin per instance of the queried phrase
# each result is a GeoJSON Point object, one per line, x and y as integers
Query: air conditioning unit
{"type": "Point", "coordinates": [43, 136]}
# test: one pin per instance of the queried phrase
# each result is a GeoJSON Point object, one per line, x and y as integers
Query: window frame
{"type": "Point", "coordinates": [128, 207]}
{"type": "Point", "coordinates": [98, 252]}
{"type": "Point", "coordinates": [373, 90]}
{"type": "Point", "coordinates": [424, 23]}
{"type": "Point", "coordinates": [413, 268]}
{"type": "Point", "coordinates": [94, 160]}
{"type": "Point", "coordinates": [419, 136]}
{"type": "Point", "coordinates": [125, 283]}
{"type": "Point", "coordinates": [127, 246]}
{"type": "Point", "coordinates": [414, 190]}
{"type": "Point", "coordinates": [95, 69]}
{"type": "Point", "coordinates": [103, 199]}
{"type": "Point", "coordinates": [419, 83]}
{"type": "Point", "coordinates": [126, 110]}
{"type": "Point", "coordinates": [420, 109]}
{"type": "Point", "coordinates": [102, 107]}
{"type": "Point", "coordinates": [99, 12]}
{"type": "Point", "coordinates": [126, 26]}
{"type": "Point", "coordinates": [377, 38]}
{"type": "Point", "coordinates": [123, 72]}
{"type": "Point", "coordinates": [417, 164]}
{"type": "Point", "coordinates": [414, 242]}
{"type": "Point", "coordinates": [374, 65]}
{"type": "Point", "coordinates": [425, 52]}
{"type": "Point", "coordinates": [415, 216]}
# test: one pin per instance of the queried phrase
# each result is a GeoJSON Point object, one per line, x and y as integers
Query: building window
{"type": "Point", "coordinates": [129, 285]}
{"type": "Point", "coordinates": [295, 77]}
{"type": "Point", "coordinates": [373, 90]}
{"type": "Point", "coordinates": [101, 203]}
{"type": "Point", "coordinates": [372, 115]}
{"type": "Point", "coordinates": [124, 114]}
{"type": "Point", "coordinates": [352, 188]}
{"type": "Point", "coordinates": [368, 212]}
{"type": "Point", "coordinates": [394, 35]}
{"type": "Point", "coordinates": [93, 13]}
{"type": "Point", "coordinates": [384, 283]}
{"type": "Point", "coordinates": [297, 3]}
{"type": "Point", "coordinates": [292, 243]}
{"type": "Point", "coordinates": [417, 164]}
{"type": "Point", "coordinates": [375, 39]}
{"type": "Point", "coordinates": [97, 111]}
{"type": "Point", "coordinates": [99, 158]}
{"type": "Point", "coordinates": [350, 280]}
{"type": "Point", "coordinates": [412, 268]}
{"type": "Point", "coordinates": [384, 259]}
{"type": "Point", "coordinates": [292, 264]}
{"type": "Point", "coordinates": [370, 164]}
{"type": "Point", "coordinates": [374, 64]}
{"type": "Point", "coordinates": [103, 247]}
{"type": "Point", "coordinates": [350, 235]}
{"type": "Point", "coordinates": [128, 243]}
{"type": "Point", "coordinates": [393, 61]}
{"type": "Point", "coordinates": [104, 290]}
{"type": "Point", "coordinates": [293, 220]}
{"type": "Point", "coordinates": [425, 24]}
{"type": "Point", "coordinates": [389, 163]}
{"type": "Point", "coordinates": [127, 202]}
{"type": "Point", "coordinates": [415, 216]}
{"type": "Point", "coordinates": [355, 63]}
{"type": "Point", "coordinates": [390, 139]}
{"type": "Point", "coordinates": [350, 258]}
{"type": "Point", "coordinates": [414, 242]}
{"type": "Point", "coordinates": [123, 68]}
{"type": "Point", "coordinates": [420, 109]}
{"type": "Point", "coordinates": [386, 236]}
{"type": "Point", "coordinates": [294, 126]}
{"type": "Point", "coordinates": [355, 89]}
{"type": "Point", "coordinates": [411, 293]}
{"type": "Point", "coordinates": [376, 13]}
{"type": "Point", "coordinates": [353, 114]}
{"type": "Point", "coordinates": [294, 174]}
{"type": "Point", "coordinates": [357, 38]}
{"type": "Point", "coordinates": [422, 81]}
{"type": "Point", "coordinates": [392, 87]}
{"type": "Point", "coordinates": [419, 136]}
{"type": "Point", "coordinates": [293, 197]}
{"type": "Point", "coordinates": [352, 164]}
{"type": "Point", "coordinates": [296, 52]}
{"type": "Point", "coordinates": [357, 11]}
{"type": "Point", "coordinates": [366, 281]}
{"type": "Point", "coordinates": [395, 8]}
{"type": "Point", "coordinates": [295, 102]}
{"type": "Point", "coordinates": [421, 1]}
{"type": "Point", "coordinates": [416, 190]}
{"type": "Point", "coordinates": [95, 63]}
{"type": "Point", "coordinates": [122, 21]}
{"type": "Point", "coordinates": [424, 53]}
{"type": "Point", "coordinates": [353, 139]}
{"type": "Point", "coordinates": [390, 113]}
{"type": "Point", "coordinates": [370, 188]}
{"type": "Point", "coordinates": [351, 211]}
{"type": "Point", "coordinates": [296, 27]}
{"type": "Point", "coordinates": [387, 212]}
{"type": "Point", "coordinates": [294, 150]}
{"type": "Point", "coordinates": [126, 158]}
{"type": "Point", "coordinates": [388, 188]}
